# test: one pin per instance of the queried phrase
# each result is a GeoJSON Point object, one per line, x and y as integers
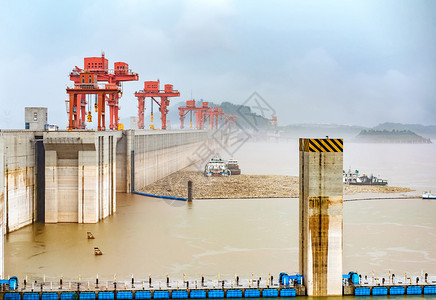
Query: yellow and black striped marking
{"type": "Point", "coordinates": [321, 145]}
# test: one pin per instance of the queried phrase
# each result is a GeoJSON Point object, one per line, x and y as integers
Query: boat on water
{"type": "Point", "coordinates": [354, 178]}
{"type": "Point", "coordinates": [216, 167]}
{"type": "Point", "coordinates": [233, 167]}
{"type": "Point", "coordinates": [428, 195]}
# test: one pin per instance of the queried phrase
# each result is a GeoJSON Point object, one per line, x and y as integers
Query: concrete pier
{"type": "Point", "coordinates": [2, 203]}
{"type": "Point", "coordinates": [321, 227]}
{"type": "Point", "coordinates": [80, 176]}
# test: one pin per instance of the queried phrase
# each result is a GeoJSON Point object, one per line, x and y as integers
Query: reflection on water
{"type": "Point", "coordinates": [260, 236]}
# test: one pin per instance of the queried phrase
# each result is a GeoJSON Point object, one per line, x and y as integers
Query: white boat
{"type": "Point", "coordinates": [428, 195]}
{"type": "Point", "coordinates": [216, 167]}
{"type": "Point", "coordinates": [354, 178]}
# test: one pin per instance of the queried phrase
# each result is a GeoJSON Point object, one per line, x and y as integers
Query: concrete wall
{"type": "Point", "coordinates": [19, 178]}
{"type": "Point", "coordinates": [321, 226]}
{"type": "Point", "coordinates": [80, 176]}
{"type": "Point", "coordinates": [2, 203]}
{"type": "Point", "coordinates": [156, 154]}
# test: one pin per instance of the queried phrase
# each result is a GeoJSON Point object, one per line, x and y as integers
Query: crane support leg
{"type": "Point", "coordinates": [182, 121]}
{"type": "Point", "coordinates": [141, 108]}
{"type": "Point", "coordinates": [82, 101]}
{"type": "Point", "coordinates": [117, 109]}
{"type": "Point", "coordinates": [163, 112]}
{"type": "Point", "coordinates": [111, 103]}
{"type": "Point", "coordinates": [72, 115]}
{"type": "Point", "coordinates": [101, 108]}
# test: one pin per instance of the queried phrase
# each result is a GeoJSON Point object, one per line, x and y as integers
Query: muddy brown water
{"type": "Point", "coordinates": [243, 236]}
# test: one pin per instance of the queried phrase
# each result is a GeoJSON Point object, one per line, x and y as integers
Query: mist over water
{"type": "Point", "coordinates": [260, 236]}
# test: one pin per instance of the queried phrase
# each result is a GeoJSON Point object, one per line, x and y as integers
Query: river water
{"type": "Point", "coordinates": [260, 236]}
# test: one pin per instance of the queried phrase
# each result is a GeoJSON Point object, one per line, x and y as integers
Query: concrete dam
{"type": "Point", "coordinates": [63, 176]}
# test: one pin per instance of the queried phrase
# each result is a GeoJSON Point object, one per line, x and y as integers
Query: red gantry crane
{"type": "Point", "coordinates": [151, 89]}
{"type": "Point", "coordinates": [184, 110]}
{"type": "Point", "coordinates": [113, 78]}
{"type": "Point", "coordinates": [202, 114]}
{"type": "Point", "coordinates": [217, 113]}
{"type": "Point", "coordinates": [88, 85]}
{"type": "Point", "coordinates": [230, 119]}
{"type": "Point", "coordinates": [272, 121]}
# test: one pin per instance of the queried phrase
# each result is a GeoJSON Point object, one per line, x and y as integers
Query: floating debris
{"type": "Point", "coordinates": [97, 251]}
{"type": "Point", "coordinates": [90, 236]}
{"type": "Point", "coordinates": [244, 186]}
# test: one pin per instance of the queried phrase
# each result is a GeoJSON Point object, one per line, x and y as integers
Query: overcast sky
{"type": "Point", "coordinates": [348, 62]}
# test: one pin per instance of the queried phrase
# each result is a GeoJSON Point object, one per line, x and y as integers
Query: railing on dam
{"type": "Point", "coordinates": [182, 289]}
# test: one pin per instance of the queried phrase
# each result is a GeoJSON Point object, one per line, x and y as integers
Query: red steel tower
{"type": "Point", "coordinates": [88, 85]}
{"type": "Point", "coordinates": [113, 78]}
{"type": "Point", "coordinates": [151, 89]}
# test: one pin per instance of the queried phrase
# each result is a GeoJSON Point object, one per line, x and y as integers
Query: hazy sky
{"type": "Point", "coordinates": [350, 62]}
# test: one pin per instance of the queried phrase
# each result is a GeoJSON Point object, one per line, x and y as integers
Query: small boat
{"type": "Point", "coordinates": [216, 167]}
{"type": "Point", "coordinates": [428, 195]}
{"type": "Point", "coordinates": [233, 167]}
{"type": "Point", "coordinates": [354, 178]}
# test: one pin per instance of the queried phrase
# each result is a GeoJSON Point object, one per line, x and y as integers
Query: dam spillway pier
{"type": "Point", "coordinates": [321, 229]}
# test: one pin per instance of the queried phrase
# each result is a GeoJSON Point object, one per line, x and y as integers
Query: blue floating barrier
{"type": "Point", "coordinates": [106, 296]}
{"type": "Point", "coordinates": [197, 294]}
{"type": "Point", "coordinates": [159, 196]}
{"type": "Point", "coordinates": [215, 294]}
{"type": "Point", "coordinates": [161, 295]}
{"type": "Point", "coordinates": [68, 296]}
{"type": "Point", "coordinates": [179, 294]}
{"type": "Point", "coordinates": [362, 291]}
{"type": "Point", "coordinates": [49, 296]}
{"type": "Point", "coordinates": [396, 290]}
{"type": "Point", "coordinates": [429, 290]}
{"type": "Point", "coordinates": [124, 295]}
{"type": "Point", "coordinates": [288, 293]}
{"type": "Point", "coordinates": [270, 293]}
{"type": "Point", "coordinates": [12, 296]}
{"type": "Point", "coordinates": [236, 293]}
{"type": "Point", "coordinates": [414, 290]}
{"type": "Point", "coordinates": [379, 291]}
{"type": "Point", "coordinates": [252, 293]}
{"type": "Point", "coordinates": [86, 296]}
{"type": "Point", "coordinates": [142, 295]}
{"type": "Point", "coordinates": [30, 296]}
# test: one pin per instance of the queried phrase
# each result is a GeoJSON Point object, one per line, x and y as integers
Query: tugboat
{"type": "Point", "coordinates": [233, 167]}
{"type": "Point", "coordinates": [216, 167]}
{"type": "Point", "coordinates": [428, 195]}
{"type": "Point", "coordinates": [353, 178]}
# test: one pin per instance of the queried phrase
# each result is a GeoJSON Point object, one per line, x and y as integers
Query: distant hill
{"type": "Point", "coordinates": [427, 131]}
{"type": "Point", "coordinates": [391, 136]}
